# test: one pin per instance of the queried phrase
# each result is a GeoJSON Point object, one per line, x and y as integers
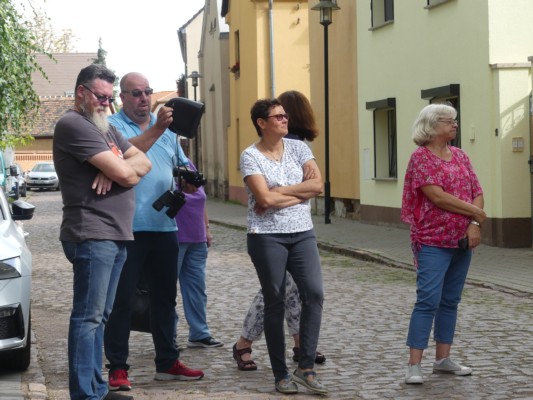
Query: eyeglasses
{"type": "Point", "coordinates": [100, 97]}
{"type": "Point", "coordinates": [138, 93]}
{"type": "Point", "coordinates": [449, 121]}
{"type": "Point", "coordinates": [279, 117]}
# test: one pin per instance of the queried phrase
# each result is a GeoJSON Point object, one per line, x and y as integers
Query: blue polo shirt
{"type": "Point", "coordinates": [164, 155]}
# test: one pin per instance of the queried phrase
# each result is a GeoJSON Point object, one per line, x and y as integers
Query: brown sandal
{"type": "Point", "coordinates": [248, 365]}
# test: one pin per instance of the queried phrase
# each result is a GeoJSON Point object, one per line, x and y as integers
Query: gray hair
{"type": "Point", "coordinates": [428, 118]}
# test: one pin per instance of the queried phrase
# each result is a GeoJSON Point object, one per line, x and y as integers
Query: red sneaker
{"type": "Point", "coordinates": [118, 380]}
{"type": "Point", "coordinates": [179, 372]}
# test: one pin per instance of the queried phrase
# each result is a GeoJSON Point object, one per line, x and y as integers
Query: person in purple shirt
{"type": "Point", "coordinates": [194, 238]}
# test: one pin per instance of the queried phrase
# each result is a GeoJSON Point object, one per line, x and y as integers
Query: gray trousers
{"type": "Point", "coordinates": [273, 255]}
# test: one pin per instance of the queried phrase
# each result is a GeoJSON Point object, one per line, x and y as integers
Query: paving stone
{"type": "Point", "coordinates": [366, 314]}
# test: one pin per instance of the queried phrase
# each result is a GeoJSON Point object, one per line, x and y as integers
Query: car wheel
{"type": "Point", "coordinates": [21, 358]}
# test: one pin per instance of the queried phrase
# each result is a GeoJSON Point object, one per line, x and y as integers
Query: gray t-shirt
{"type": "Point", "coordinates": [87, 215]}
{"type": "Point", "coordinates": [288, 171]}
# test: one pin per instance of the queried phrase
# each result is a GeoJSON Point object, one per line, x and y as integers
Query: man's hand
{"type": "Point", "coordinates": [164, 117]}
{"type": "Point", "coordinates": [101, 184]}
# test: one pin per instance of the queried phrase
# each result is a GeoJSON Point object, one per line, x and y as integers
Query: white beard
{"type": "Point", "coordinates": [98, 118]}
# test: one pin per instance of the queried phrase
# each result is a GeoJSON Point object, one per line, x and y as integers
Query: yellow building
{"type": "Point", "coordinates": [268, 54]}
{"type": "Point", "coordinates": [472, 53]}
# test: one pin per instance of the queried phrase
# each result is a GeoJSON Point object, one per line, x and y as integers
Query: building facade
{"type": "Point", "coordinates": [268, 54]}
{"type": "Point", "coordinates": [472, 54]}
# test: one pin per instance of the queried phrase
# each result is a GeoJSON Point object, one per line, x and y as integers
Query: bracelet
{"type": "Point", "coordinates": [474, 222]}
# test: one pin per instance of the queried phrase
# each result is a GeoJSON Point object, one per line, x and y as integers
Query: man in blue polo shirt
{"type": "Point", "coordinates": [155, 248]}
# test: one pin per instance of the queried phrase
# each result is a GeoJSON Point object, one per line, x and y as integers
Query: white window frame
{"type": "Point", "coordinates": [382, 13]}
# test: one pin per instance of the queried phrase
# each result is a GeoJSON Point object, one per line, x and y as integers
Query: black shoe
{"type": "Point", "coordinates": [319, 358]}
{"type": "Point", "coordinates": [207, 342]}
{"type": "Point", "coordinates": [117, 396]}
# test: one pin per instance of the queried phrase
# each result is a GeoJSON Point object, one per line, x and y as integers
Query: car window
{"type": "Point", "coordinates": [44, 168]}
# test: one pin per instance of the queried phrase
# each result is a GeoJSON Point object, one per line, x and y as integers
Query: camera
{"type": "Point", "coordinates": [173, 200]}
{"type": "Point", "coordinates": [193, 177]}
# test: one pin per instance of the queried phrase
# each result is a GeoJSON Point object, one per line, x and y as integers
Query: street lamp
{"type": "Point", "coordinates": [194, 77]}
{"type": "Point", "coordinates": [326, 8]}
{"type": "Point", "coordinates": [194, 81]}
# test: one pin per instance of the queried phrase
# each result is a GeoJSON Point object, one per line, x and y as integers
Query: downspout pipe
{"type": "Point", "coordinates": [271, 35]}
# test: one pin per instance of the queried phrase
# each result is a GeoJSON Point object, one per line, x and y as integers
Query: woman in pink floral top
{"type": "Point", "coordinates": [443, 202]}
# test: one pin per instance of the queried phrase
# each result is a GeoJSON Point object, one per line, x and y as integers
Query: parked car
{"type": "Point", "coordinates": [16, 181]}
{"type": "Point", "coordinates": [42, 176]}
{"type": "Point", "coordinates": [15, 285]}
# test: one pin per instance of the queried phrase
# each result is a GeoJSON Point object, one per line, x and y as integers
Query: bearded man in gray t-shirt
{"type": "Point", "coordinates": [97, 169]}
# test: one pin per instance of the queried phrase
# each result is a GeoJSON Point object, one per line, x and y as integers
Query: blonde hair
{"type": "Point", "coordinates": [424, 126]}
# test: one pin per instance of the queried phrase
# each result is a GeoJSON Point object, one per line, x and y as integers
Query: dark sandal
{"type": "Point", "coordinates": [248, 365]}
{"type": "Point", "coordinates": [319, 358]}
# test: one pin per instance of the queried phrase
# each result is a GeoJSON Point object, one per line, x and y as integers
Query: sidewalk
{"type": "Point", "coordinates": [509, 270]}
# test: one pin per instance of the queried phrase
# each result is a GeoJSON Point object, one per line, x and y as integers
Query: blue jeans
{"type": "Point", "coordinates": [96, 265]}
{"type": "Point", "coordinates": [273, 255]}
{"type": "Point", "coordinates": [441, 276]}
{"type": "Point", "coordinates": [191, 272]}
{"type": "Point", "coordinates": [156, 254]}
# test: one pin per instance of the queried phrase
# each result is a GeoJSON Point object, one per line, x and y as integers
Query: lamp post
{"type": "Point", "coordinates": [326, 8]}
{"type": "Point", "coordinates": [194, 81]}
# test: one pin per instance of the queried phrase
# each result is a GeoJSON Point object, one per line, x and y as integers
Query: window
{"type": "Point", "coordinates": [450, 95]}
{"type": "Point", "coordinates": [382, 12]}
{"type": "Point", "coordinates": [385, 138]}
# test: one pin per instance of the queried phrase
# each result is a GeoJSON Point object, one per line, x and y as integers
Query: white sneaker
{"type": "Point", "coordinates": [447, 366]}
{"type": "Point", "coordinates": [414, 374]}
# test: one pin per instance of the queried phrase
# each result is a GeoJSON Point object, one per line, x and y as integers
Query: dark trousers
{"type": "Point", "coordinates": [156, 254]}
{"type": "Point", "coordinates": [273, 255]}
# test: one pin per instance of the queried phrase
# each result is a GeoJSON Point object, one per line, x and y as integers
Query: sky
{"type": "Point", "coordinates": [138, 35]}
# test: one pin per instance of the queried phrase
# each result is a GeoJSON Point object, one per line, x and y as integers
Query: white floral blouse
{"type": "Point", "coordinates": [288, 171]}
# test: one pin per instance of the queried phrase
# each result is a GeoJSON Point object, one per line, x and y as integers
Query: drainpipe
{"type": "Point", "coordinates": [271, 32]}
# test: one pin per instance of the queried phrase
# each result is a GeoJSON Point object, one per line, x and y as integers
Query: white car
{"type": "Point", "coordinates": [42, 176]}
{"type": "Point", "coordinates": [15, 285]}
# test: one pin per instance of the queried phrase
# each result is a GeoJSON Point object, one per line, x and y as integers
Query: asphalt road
{"type": "Point", "coordinates": [366, 313]}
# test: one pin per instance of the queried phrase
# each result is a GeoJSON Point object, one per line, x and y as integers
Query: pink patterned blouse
{"type": "Point", "coordinates": [431, 225]}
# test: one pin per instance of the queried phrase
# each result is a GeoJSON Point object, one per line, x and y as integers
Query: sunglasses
{"type": "Point", "coordinates": [138, 93]}
{"type": "Point", "coordinates": [279, 117]}
{"type": "Point", "coordinates": [100, 97]}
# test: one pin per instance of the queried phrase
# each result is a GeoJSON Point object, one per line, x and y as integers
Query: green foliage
{"type": "Point", "coordinates": [19, 103]}
{"type": "Point", "coordinates": [182, 86]}
{"type": "Point", "coordinates": [100, 55]}
{"type": "Point", "coordinates": [46, 38]}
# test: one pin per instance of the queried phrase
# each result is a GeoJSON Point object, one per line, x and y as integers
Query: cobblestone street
{"type": "Point", "coordinates": [366, 313]}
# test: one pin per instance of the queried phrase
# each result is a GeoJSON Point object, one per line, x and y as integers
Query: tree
{"type": "Point", "coordinates": [182, 85]}
{"type": "Point", "coordinates": [46, 38]}
{"type": "Point", "coordinates": [101, 54]}
{"type": "Point", "coordinates": [19, 103]}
